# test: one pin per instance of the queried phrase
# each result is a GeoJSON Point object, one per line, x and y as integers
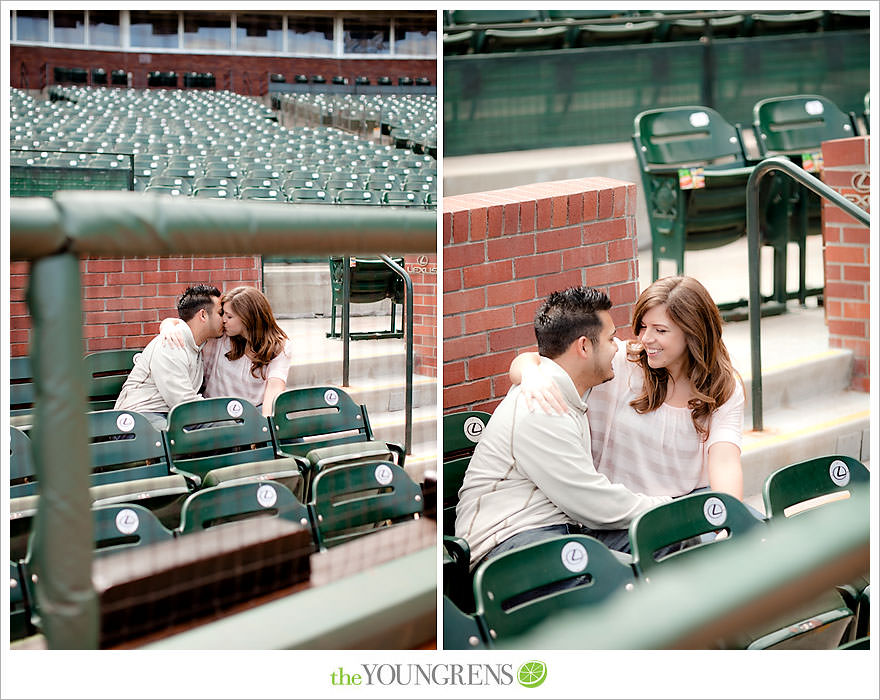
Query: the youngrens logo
{"type": "Point", "coordinates": [530, 675]}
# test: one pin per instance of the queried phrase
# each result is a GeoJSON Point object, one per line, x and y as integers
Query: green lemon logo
{"type": "Point", "coordinates": [532, 673]}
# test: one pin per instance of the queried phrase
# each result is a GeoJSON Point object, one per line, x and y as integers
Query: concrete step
{"type": "Point", "coordinates": [390, 426]}
{"type": "Point", "coordinates": [389, 394]}
{"type": "Point", "coordinates": [836, 423]}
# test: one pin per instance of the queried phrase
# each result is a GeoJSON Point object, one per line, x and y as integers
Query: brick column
{"type": "Point", "coordinates": [505, 251]}
{"type": "Point", "coordinates": [423, 271]}
{"type": "Point", "coordinates": [847, 254]}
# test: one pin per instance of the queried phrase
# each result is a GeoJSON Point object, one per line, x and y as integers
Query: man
{"type": "Point", "coordinates": [165, 374]}
{"type": "Point", "coordinates": [531, 476]}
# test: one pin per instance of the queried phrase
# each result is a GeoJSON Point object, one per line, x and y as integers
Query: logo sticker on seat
{"type": "Point", "coordinates": [473, 428]}
{"type": "Point", "coordinates": [814, 107]}
{"type": "Point", "coordinates": [331, 398]}
{"type": "Point", "coordinates": [125, 422]}
{"type": "Point", "coordinates": [234, 408]}
{"type": "Point", "coordinates": [266, 496]}
{"type": "Point", "coordinates": [574, 556]}
{"type": "Point", "coordinates": [127, 521]}
{"type": "Point", "coordinates": [698, 119]}
{"type": "Point", "coordinates": [383, 474]}
{"type": "Point", "coordinates": [839, 472]}
{"type": "Point", "coordinates": [715, 511]}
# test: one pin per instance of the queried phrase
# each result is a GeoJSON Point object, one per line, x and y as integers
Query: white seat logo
{"type": "Point", "coordinates": [331, 398]}
{"type": "Point", "coordinates": [266, 496]}
{"type": "Point", "coordinates": [383, 474]}
{"type": "Point", "coordinates": [473, 429]}
{"type": "Point", "coordinates": [125, 422]}
{"type": "Point", "coordinates": [715, 511]}
{"type": "Point", "coordinates": [234, 408]}
{"type": "Point", "coordinates": [127, 521]}
{"type": "Point", "coordinates": [839, 472]}
{"type": "Point", "coordinates": [574, 556]}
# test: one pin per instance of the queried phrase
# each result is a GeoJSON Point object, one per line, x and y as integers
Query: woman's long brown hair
{"type": "Point", "coordinates": [708, 363]}
{"type": "Point", "coordinates": [265, 337]}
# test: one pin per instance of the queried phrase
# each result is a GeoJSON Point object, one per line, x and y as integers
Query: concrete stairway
{"type": "Point", "coordinates": [377, 377]}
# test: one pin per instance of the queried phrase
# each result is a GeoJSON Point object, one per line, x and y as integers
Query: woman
{"type": "Point", "coordinates": [251, 360]}
{"type": "Point", "coordinates": [670, 421]}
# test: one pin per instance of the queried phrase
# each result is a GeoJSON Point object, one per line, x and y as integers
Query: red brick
{"type": "Point", "coordinates": [460, 226]}
{"type": "Point", "coordinates": [451, 278]}
{"type": "Point", "coordinates": [490, 273]}
{"type": "Point", "coordinates": [124, 278]}
{"type": "Point", "coordinates": [511, 247]}
{"type": "Point", "coordinates": [501, 385]}
{"type": "Point", "coordinates": [124, 329]}
{"type": "Point", "coordinates": [175, 263]}
{"type": "Point", "coordinates": [857, 235]}
{"type": "Point", "coordinates": [96, 331]}
{"type": "Point", "coordinates": [103, 265]}
{"type": "Point", "coordinates": [116, 303]}
{"type": "Point", "coordinates": [155, 303]}
{"type": "Point", "coordinates": [632, 199]}
{"type": "Point", "coordinates": [851, 151]}
{"type": "Point", "coordinates": [141, 264]}
{"type": "Point", "coordinates": [20, 267]}
{"type": "Point", "coordinates": [18, 350]}
{"type": "Point", "coordinates": [527, 212]}
{"type": "Point", "coordinates": [608, 274]}
{"type": "Point", "coordinates": [104, 292]}
{"type": "Point", "coordinates": [142, 315]}
{"type": "Point", "coordinates": [456, 302]}
{"type": "Point", "coordinates": [604, 231]}
{"type": "Point", "coordinates": [619, 206]}
{"type": "Point", "coordinates": [622, 250]}
{"type": "Point", "coordinates": [463, 255]}
{"type": "Point", "coordinates": [831, 234]}
{"type": "Point", "coordinates": [858, 329]}
{"type": "Point", "coordinates": [833, 308]}
{"type": "Point", "coordinates": [606, 203]}
{"type": "Point", "coordinates": [508, 338]}
{"type": "Point", "coordinates": [16, 293]}
{"type": "Point", "coordinates": [857, 310]}
{"type": "Point", "coordinates": [846, 254]}
{"type": "Point", "coordinates": [458, 348]}
{"type": "Point", "coordinates": [489, 365]}
{"type": "Point", "coordinates": [510, 219]}
{"type": "Point", "coordinates": [477, 230]}
{"type": "Point", "coordinates": [835, 215]}
{"type": "Point", "coordinates": [494, 227]}
{"type": "Point", "coordinates": [479, 321]}
{"type": "Point", "coordinates": [18, 336]}
{"type": "Point", "coordinates": [855, 273]}
{"type": "Point", "coordinates": [96, 344]}
{"type": "Point", "coordinates": [18, 308]}
{"type": "Point", "coordinates": [560, 211]}
{"type": "Point", "coordinates": [239, 263]}
{"type": "Point", "coordinates": [94, 279]}
{"type": "Point", "coordinates": [834, 272]}
{"type": "Point", "coordinates": [576, 208]}
{"type": "Point", "coordinates": [453, 373]}
{"type": "Point", "coordinates": [508, 293]}
{"type": "Point", "coordinates": [208, 263]}
{"type": "Point", "coordinates": [846, 290]}
{"type": "Point", "coordinates": [558, 239]}
{"type": "Point", "coordinates": [466, 393]}
{"type": "Point", "coordinates": [544, 213]}
{"type": "Point", "coordinates": [137, 342]}
{"type": "Point", "coordinates": [562, 280]}
{"type": "Point", "coordinates": [104, 317]}
{"type": "Point", "coordinates": [622, 316]}
{"type": "Point", "coordinates": [538, 265]}
{"type": "Point", "coordinates": [861, 384]}
{"type": "Point", "coordinates": [591, 205]}
{"type": "Point", "coordinates": [625, 293]}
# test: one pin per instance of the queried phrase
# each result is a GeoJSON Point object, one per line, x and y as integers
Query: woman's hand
{"type": "Point", "coordinates": [539, 391]}
{"type": "Point", "coordinates": [171, 332]}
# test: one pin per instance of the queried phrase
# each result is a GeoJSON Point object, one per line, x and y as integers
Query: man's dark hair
{"type": "Point", "coordinates": [196, 298]}
{"type": "Point", "coordinates": [567, 315]}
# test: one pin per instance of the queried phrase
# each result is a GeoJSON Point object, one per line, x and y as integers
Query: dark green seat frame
{"type": "Point", "coordinates": [539, 570]}
{"type": "Point", "coordinates": [371, 280]}
{"type": "Point", "coordinates": [109, 538]}
{"type": "Point", "coordinates": [107, 371]}
{"type": "Point", "coordinates": [460, 630]}
{"type": "Point", "coordinates": [791, 126]}
{"type": "Point", "coordinates": [205, 441]}
{"type": "Point", "coordinates": [697, 136]}
{"type": "Point", "coordinates": [226, 503]}
{"type": "Point", "coordinates": [458, 446]}
{"type": "Point", "coordinates": [350, 501]}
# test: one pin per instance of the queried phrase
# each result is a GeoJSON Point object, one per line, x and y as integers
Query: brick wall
{"type": "Point", "coordinates": [248, 75]}
{"type": "Point", "coordinates": [847, 254]}
{"type": "Point", "coordinates": [504, 251]}
{"type": "Point", "coordinates": [125, 298]}
{"type": "Point", "coordinates": [423, 270]}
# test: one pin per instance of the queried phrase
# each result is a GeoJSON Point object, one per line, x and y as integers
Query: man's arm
{"type": "Point", "coordinates": [170, 370]}
{"type": "Point", "coordinates": [550, 451]}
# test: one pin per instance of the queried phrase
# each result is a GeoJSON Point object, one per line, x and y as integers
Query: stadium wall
{"type": "Point", "coordinates": [423, 271]}
{"type": "Point", "coordinates": [848, 254]}
{"type": "Point", "coordinates": [124, 299]}
{"type": "Point", "coordinates": [505, 251]}
{"type": "Point", "coordinates": [32, 67]}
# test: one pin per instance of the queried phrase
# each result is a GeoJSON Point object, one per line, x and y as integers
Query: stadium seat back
{"type": "Point", "coordinates": [107, 371]}
{"type": "Point", "coordinates": [806, 484]}
{"type": "Point", "coordinates": [798, 123]}
{"type": "Point", "coordinates": [125, 525]}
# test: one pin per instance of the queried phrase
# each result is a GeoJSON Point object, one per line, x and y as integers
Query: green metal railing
{"type": "Point", "coordinates": [754, 244]}
{"type": "Point", "coordinates": [53, 234]}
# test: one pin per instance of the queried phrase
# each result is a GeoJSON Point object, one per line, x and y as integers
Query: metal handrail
{"type": "Point", "coordinates": [408, 312]}
{"type": "Point", "coordinates": [753, 232]}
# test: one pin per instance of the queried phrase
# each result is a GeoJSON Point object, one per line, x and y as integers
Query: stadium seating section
{"type": "Point", "coordinates": [218, 144]}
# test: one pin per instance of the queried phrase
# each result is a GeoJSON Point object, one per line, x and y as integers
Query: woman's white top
{"type": "Point", "coordinates": [659, 452]}
{"type": "Point", "coordinates": [233, 377]}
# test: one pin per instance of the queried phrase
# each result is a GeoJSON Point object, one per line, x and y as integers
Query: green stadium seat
{"type": "Point", "coordinates": [217, 505]}
{"type": "Point", "coordinates": [401, 199]}
{"type": "Point", "coordinates": [269, 194]}
{"type": "Point", "coordinates": [20, 625]}
{"type": "Point", "coordinates": [460, 630]}
{"type": "Point", "coordinates": [794, 126]}
{"type": "Point", "coordinates": [357, 197]}
{"type": "Point", "coordinates": [819, 623]}
{"type": "Point", "coordinates": [107, 371]}
{"type": "Point", "coordinates": [683, 29]}
{"type": "Point", "coordinates": [308, 195]}
{"type": "Point", "coordinates": [324, 427]}
{"type": "Point", "coordinates": [226, 440]}
{"type": "Point", "coordinates": [371, 280]}
{"type": "Point", "coordinates": [669, 144]}
{"type": "Point", "coordinates": [23, 488]}
{"type": "Point", "coordinates": [213, 193]}
{"type": "Point", "coordinates": [457, 581]}
{"type": "Point", "coordinates": [799, 484]}
{"type": "Point", "coordinates": [457, 43]}
{"type": "Point", "coordinates": [461, 433]}
{"type": "Point", "coordinates": [126, 525]}
{"type": "Point", "coordinates": [21, 392]}
{"type": "Point", "coordinates": [628, 32]}
{"type": "Point", "coordinates": [764, 23]}
{"type": "Point", "coordinates": [354, 500]}
{"type": "Point", "coordinates": [518, 589]}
